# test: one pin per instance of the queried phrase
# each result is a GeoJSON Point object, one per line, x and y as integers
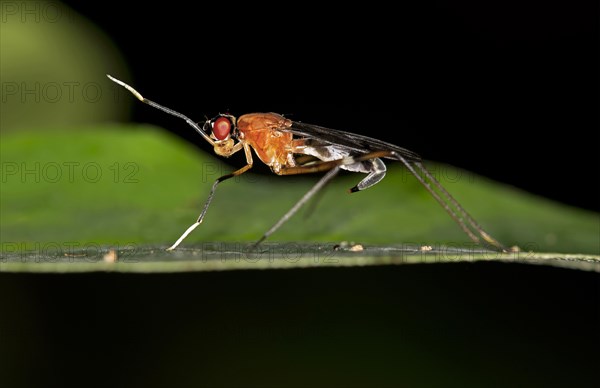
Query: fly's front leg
{"type": "Point", "coordinates": [242, 170]}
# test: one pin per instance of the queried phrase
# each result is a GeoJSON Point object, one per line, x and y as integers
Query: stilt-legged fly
{"type": "Point", "coordinates": [290, 147]}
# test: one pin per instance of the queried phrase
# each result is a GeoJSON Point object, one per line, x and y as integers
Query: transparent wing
{"type": "Point", "coordinates": [358, 144]}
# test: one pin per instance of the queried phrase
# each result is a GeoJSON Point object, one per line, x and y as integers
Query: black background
{"type": "Point", "coordinates": [506, 89]}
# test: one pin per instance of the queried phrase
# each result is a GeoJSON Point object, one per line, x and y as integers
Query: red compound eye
{"type": "Point", "coordinates": [221, 128]}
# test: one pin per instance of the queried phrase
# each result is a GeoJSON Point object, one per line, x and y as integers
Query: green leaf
{"type": "Point", "coordinates": [123, 188]}
{"type": "Point", "coordinates": [46, 80]}
{"type": "Point", "coordinates": [219, 256]}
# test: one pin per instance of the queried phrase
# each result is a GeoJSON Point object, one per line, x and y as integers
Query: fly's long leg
{"type": "Point", "coordinates": [207, 204]}
{"type": "Point", "coordinates": [333, 167]}
{"type": "Point", "coordinates": [315, 189]}
{"type": "Point", "coordinates": [450, 204]}
{"type": "Point", "coordinates": [212, 194]}
{"type": "Point", "coordinates": [439, 193]}
{"type": "Point", "coordinates": [312, 206]}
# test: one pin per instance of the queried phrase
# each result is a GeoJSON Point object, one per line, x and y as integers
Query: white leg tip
{"type": "Point", "coordinates": [183, 236]}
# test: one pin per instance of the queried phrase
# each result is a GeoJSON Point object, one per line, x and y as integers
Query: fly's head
{"type": "Point", "coordinates": [223, 131]}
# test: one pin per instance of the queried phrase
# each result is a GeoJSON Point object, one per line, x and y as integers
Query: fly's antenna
{"type": "Point", "coordinates": [163, 108]}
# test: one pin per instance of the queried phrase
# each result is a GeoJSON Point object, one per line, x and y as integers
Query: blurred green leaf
{"type": "Point", "coordinates": [123, 186]}
{"type": "Point", "coordinates": [53, 66]}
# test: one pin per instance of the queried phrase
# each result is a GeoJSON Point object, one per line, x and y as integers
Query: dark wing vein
{"type": "Point", "coordinates": [357, 143]}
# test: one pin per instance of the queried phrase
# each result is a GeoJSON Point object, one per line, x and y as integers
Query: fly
{"type": "Point", "coordinates": [290, 148]}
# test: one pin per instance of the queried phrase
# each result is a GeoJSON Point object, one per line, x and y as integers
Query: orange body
{"type": "Point", "coordinates": [262, 131]}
